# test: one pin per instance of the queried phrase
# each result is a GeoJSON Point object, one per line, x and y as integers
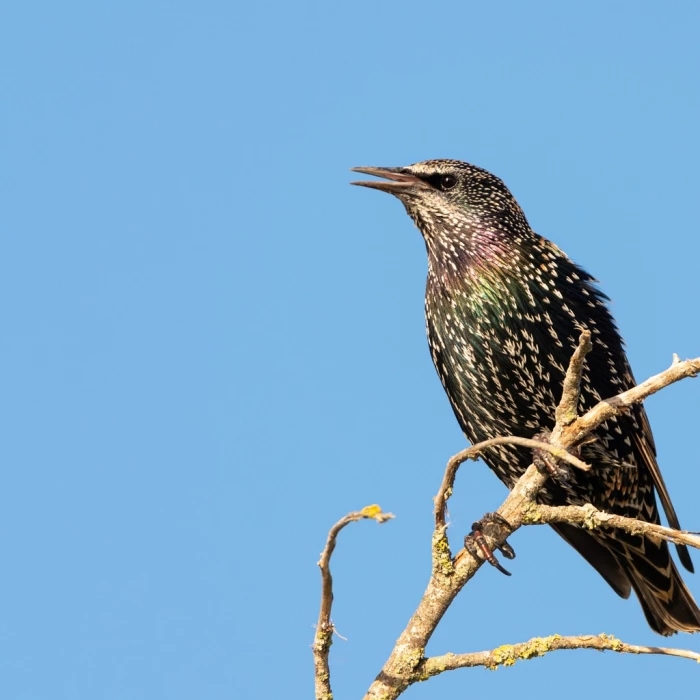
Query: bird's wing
{"type": "Point", "coordinates": [597, 555]}
{"type": "Point", "coordinates": [646, 450]}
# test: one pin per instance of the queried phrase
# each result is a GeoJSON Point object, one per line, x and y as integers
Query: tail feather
{"type": "Point", "coordinates": [667, 603]}
{"type": "Point", "coordinates": [646, 566]}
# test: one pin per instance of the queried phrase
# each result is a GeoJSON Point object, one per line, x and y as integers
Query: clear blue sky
{"type": "Point", "coordinates": [213, 347]}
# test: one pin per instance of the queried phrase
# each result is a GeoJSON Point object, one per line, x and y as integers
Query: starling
{"type": "Point", "coordinates": [504, 309]}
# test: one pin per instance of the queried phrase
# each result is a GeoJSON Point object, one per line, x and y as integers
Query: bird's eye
{"type": "Point", "coordinates": [447, 182]}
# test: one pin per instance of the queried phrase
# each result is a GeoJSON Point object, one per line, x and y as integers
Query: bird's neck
{"type": "Point", "coordinates": [488, 275]}
{"type": "Point", "coordinates": [473, 256]}
{"type": "Point", "coordinates": [462, 243]}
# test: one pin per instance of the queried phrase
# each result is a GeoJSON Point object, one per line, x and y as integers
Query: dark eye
{"type": "Point", "coordinates": [447, 182]}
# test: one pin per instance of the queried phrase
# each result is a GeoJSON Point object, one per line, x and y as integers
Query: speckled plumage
{"type": "Point", "coordinates": [504, 309]}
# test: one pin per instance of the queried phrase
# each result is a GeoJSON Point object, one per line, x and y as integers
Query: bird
{"type": "Point", "coordinates": [504, 309]}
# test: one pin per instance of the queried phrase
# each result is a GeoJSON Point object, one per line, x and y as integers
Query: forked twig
{"type": "Point", "coordinates": [325, 629]}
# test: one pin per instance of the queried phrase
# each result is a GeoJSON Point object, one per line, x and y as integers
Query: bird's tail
{"type": "Point", "coordinates": [667, 603]}
{"type": "Point", "coordinates": [628, 562]}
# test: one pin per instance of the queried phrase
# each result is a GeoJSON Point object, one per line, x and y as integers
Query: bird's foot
{"type": "Point", "coordinates": [475, 542]}
{"type": "Point", "coordinates": [548, 465]}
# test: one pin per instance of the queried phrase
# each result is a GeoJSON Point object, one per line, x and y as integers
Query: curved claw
{"type": "Point", "coordinates": [476, 543]}
{"type": "Point", "coordinates": [485, 550]}
{"type": "Point", "coordinates": [499, 567]}
{"type": "Point", "coordinates": [507, 551]}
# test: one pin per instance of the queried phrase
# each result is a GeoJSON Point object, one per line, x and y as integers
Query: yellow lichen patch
{"type": "Point", "coordinates": [508, 654]}
{"type": "Point", "coordinates": [614, 642]}
{"type": "Point", "coordinates": [441, 551]}
{"type": "Point", "coordinates": [371, 511]}
{"type": "Point", "coordinates": [409, 660]}
{"type": "Point", "coordinates": [530, 514]}
{"type": "Point", "coordinates": [376, 513]}
{"type": "Point", "coordinates": [538, 646]}
{"type": "Point", "coordinates": [504, 655]}
{"type": "Point", "coordinates": [569, 417]}
{"type": "Point", "coordinates": [590, 523]}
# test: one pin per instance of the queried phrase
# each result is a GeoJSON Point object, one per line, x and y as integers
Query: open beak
{"type": "Point", "coordinates": [400, 180]}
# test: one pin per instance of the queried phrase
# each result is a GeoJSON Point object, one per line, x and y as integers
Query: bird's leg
{"type": "Point", "coordinates": [475, 542]}
{"type": "Point", "coordinates": [547, 464]}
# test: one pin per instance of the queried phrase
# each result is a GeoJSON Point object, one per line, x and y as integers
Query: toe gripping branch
{"type": "Point", "coordinates": [475, 542]}
{"type": "Point", "coordinates": [548, 465]}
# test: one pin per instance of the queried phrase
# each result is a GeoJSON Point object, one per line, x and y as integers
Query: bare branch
{"type": "Point", "coordinates": [608, 408]}
{"type": "Point", "coordinates": [508, 654]}
{"type": "Point", "coordinates": [449, 576]}
{"type": "Point", "coordinates": [567, 410]}
{"type": "Point", "coordinates": [475, 451]}
{"type": "Point", "coordinates": [325, 629]}
{"type": "Point", "coordinates": [590, 518]}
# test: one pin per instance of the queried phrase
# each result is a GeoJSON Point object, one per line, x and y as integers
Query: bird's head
{"type": "Point", "coordinates": [451, 201]}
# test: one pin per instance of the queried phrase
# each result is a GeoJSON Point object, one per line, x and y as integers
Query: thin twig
{"type": "Point", "coordinates": [567, 410]}
{"type": "Point", "coordinates": [590, 518]}
{"type": "Point", "coordinates": [583, 426]}
{"type": "Point", "coordinates": [508, 654]}
{"type": "Point", "coordinates": [325, 629]}
{"type": "Point", "coordinates": [475, 451]}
